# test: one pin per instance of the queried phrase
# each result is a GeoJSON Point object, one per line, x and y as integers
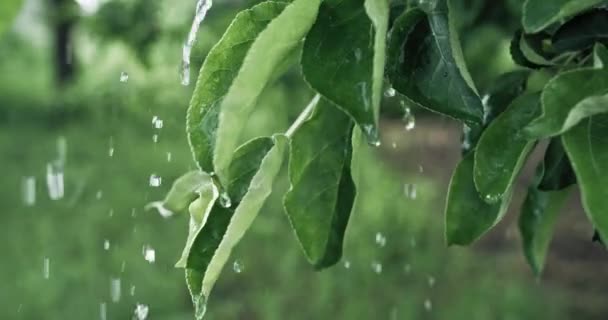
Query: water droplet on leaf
{"type": "Point", "coordinates": [225, 200]}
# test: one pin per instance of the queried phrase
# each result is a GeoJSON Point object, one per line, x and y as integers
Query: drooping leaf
{"type": "Point", "coordinates": [502, 92]}
{"type": "Point", "coordinates": [582, 32]}
{"type": "Point", "coordinates": [320, 199]}
{"type": "Point", "coordinates": [558, 173]}
{"type": "Point", "coordinates": [280, 37]}
{"type": "Point", "coordinates": [539, 214]}
{"type": "Point", "coordinates": [503, 148]}
{"type": "Point", "coordinates": [343, 58]}
{"type": "Point", "coordinates": [564, 107]}
{"type": "Point", "coordinates": [183, 191]}
{"type": "Point", "coordinates": [587, 148]}
{"type": "Point", "coordinates": [223, 227]}
{"type": "Point", "coordinates": [426, 66]}
{"type": "Point", "coordinates": [539, 14]}
{"type": "Point", "coordinates": [468, 216]}
{"type": "Point", "coordinates": [518, 55]}
{"type": "Point", "coordinates": [8, 11]}
{"type": "Point", "coordinates": [217, 75]}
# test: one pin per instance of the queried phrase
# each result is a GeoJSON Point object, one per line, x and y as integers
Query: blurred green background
{"type": "Point", "coordinates": [95, 253]}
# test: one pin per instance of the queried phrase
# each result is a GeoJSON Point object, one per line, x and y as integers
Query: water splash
{"type": "Point", "coordinates": [202, 7]}
{"type": "Point", "coordinates": [141, 311]}
{"type": "Point", "coordinates": [28, 189]}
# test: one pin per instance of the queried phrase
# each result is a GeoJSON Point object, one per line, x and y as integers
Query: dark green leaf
{"type": "Point", "coordinates": [503, 149]}
{"type": "Point", "coordinates": [563, 107]}
{"type": "Point", "coordinates": [558, 172]}
{"type": "Point", "coordinates": [502, 92]}
{"type": "Point", "coordinates": [539, 14]}
{"type": "Point", "coordinates": [339, 60]}
{"type": "Point", "coordinates": [582, 32]}
{"type": "Point", "coordinates": [518, 55]}
{"type": "Point", "coordinates": [468, 216]}
{"type": "Point", "coordinates": [587, 148]}
{"type": "Point", "coordinates": [215, 235]}
{"type": "Point", "coordinates": [217, 75]}
{"type": "Point", "coordinates": [322, 192]}
{"type": "Point", "coordinates": [426, 66]}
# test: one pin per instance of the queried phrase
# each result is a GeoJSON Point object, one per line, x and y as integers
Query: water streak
{"type": "Point", "coordinates": [202, 7]}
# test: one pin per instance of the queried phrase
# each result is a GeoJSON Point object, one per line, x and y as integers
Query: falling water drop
{"type": "Point", "coordinates": [28, 189]}
{"type": "Point", "coordinates": [155, 138]}
{"type": "Point", "coordinates": [200, 307]}
{"type": "Point", "coordinates": [54, 180]}
{"type": "Point", "coordinates": [380, 239]}
{"type": "Point", "coordinates": [155, 180]}
{"type": "Point", "coordinates": [346, 264]}
{"type": "Point", "coordinates": [99, 195]}
{"type": "Point", "coordinates": [149, 254]}
{"type": "Point", "coordinates": [157, 122]}
{"type": "Point", "coordinates": [394, 145]}
{"type": "Point", "coordinates": [390, 92]}
{"type": "Point", "coordinates": [431, 281]}
{"type": "Point", "coordinates": [103, 311]}
{"type": "Point", "coordinates": [428, 305]}
{"type": "Point", "coordinates": [377, 267]}
{"type": "Point", "coordinates": [141, 311]}
{"type": "Point", "coordinates": [106, 244]}
{"type": "Point", "coordinates": [169, 156]}
{"type": "Point", "coordinates": [237, 266]}
{"type": "Point", "coordinates": [132, 291]}
{"type": "Point", "coordinates": [202, 7]}
{"type": "Point", "coordinates": [124, 77]}
{"type": "Point", "coordinates": [115, 289]}
{"type": "Point", "coordinates": [409, 190]}
{"type": "Point", "coordinates": [409, 120]}
{"type": "Point", "coordinates": [46, 268]}
{"type": "Point", "coordinates": [407, 268]}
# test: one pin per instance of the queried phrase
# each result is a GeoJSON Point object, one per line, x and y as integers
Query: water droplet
{"type": "Point", "coordinates": [149, 254]}
{"type": "Point", "coordinates": [407, 268]}
{"type": "Point", "coordinates": [124, 77]}
{"type": "Point", "coordinates": [346, 264]}
{"type": "Point", "coordinates": [115, 289]}
{"type": "Point", "coordinates": [200, 307]}
{"type": "Point", "coordinates": [155, 138]}
{"type": "Point", "coordinates": [225, 200]}
{"type": "Point", "coordinates": [62, 150]}
{"type": "Point", "coordinates": [46, 268]}
{"type": "Point", "coordinates": [106, 244]}
{"type": "Point", "coordinates": [132, 291]}
{"type": "Point", "coordinates": [202, 7]}
{"type": "Point", "coordinates": [99, 195]}
{"type": "Point", "coordinates": [492, 198]}
{"type": "Point", "coordinates": [413, 242]}
{"type": "Point", "coordinates": [409, 120]}
{"type": "Point", "coordinates": [428, 305]}
{"type": "Point", "coordinates": [160, 207]}
{"type": "Point", "coordinates": [157, 122]}
{"type": "Point", "coordinates": [54, 180]}
{"type": "Point", "coordinates": [111, 152]}
{"type": "Point", "coordinates": [155, 180]}
{"type": "Point", "coordinates": [390, 92]}
{"type": "Point", "coordinates": [141, 311]}
{"type": "Point", "coordinates": [410, 191]}
{"type": "Point", "coordinates": [380, 239]}
{"type": "Point", "coordinates": [431, 281]}
{"type": "Point", "coordinates": [168, 156]}
{"type": "Point", "coordinates": [420, 169]}
{"type": "Point", "coordinates": [28, 191]}
{"type": "Point", "coordinates": [377, 267]}
{"type": "Point", "coordinates": [394, 145]}
{"type": "Point", "coordinates": [103, 311]}
{"type": "Point", "coordinates": [123, 266]}
{"type": "Point", "coordinates": [237, 266]}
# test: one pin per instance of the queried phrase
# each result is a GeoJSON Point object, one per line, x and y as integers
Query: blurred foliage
{"type": "Point", "coordinates": [105, 195]}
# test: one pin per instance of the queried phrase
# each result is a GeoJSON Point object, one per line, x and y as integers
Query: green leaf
{"type": "Point", "coordinates": [502, 91]}
{"type": "Point", "coordinates": [220, 231]}
{"type": "Point", "coordinates": [564, 107]}
{"type": "Point", "coordinates": [426, 66]}
{"type": "Point", "coordinates": [582, 32]}
{"type": "Point", "coordinates": [320, 199]}
{"type": "Point", "coordinates": [217, 74]}
{"type": "Point", "coordinates": [539, 14]}
{"type": "Point", "coordinates": [8, 10]}
{"type": "Point", "coordinates": [587, 148]}
{"type": "Point", "coordinates": [343, 58]}
{"type": "Point", "coordinates": [538, 217]}
{"type": "Point", "coordinates": [281, 36]}
{"type": "Point", "coordinates": [503, 149]}
{"type": "Point", "coordinates": [183, 191]}
{"type": "Point", "coordinates": [518, 55]}
{"type": "Point", "coordinates": [558, 173]}
{"type": "Point", "coordinates": [468, 216]}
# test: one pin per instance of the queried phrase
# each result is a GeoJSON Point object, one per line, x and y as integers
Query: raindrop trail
{"type": "Point", "coordinates": [202, 7]}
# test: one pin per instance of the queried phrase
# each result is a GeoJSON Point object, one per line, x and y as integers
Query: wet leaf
{"type": "Point", "coordinates": [582, 32]}
{"type": "Point", "coordinates": [503, 148]}
{"type": "Point", "coordinates": [343, 58]}
{"type": "Point", "coordinates": [539, 14]}
{"type": "Point", "coordinates": [222, 229]}
{"type": "Point", "coordinates": [217, 75]}
{"type": "Point", "coordinates": [468, 216]}
{"type": "Point", "coordinates": [320, 199]}
{"type": "Point", "coordinates": [274, 44]}
{"type": "Point", "coordinates": [564, 107]}
{"type": "Point", "coordinates": [502, 92]}
{"type": "Point", "coordinates": [8, 10]}
{"type": "Point", "coordinates": [426, 65]}
{"type": "Point", "coordinates": [587, 148]}
{"type": "Point", "coordinates": [183, 191]}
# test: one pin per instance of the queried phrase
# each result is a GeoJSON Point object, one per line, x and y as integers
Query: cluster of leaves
{"type": "Point", "coordinates": [346, 50]}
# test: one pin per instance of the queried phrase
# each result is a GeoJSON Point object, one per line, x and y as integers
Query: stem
{"type": "Point", "coordinates": [303, 116]}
